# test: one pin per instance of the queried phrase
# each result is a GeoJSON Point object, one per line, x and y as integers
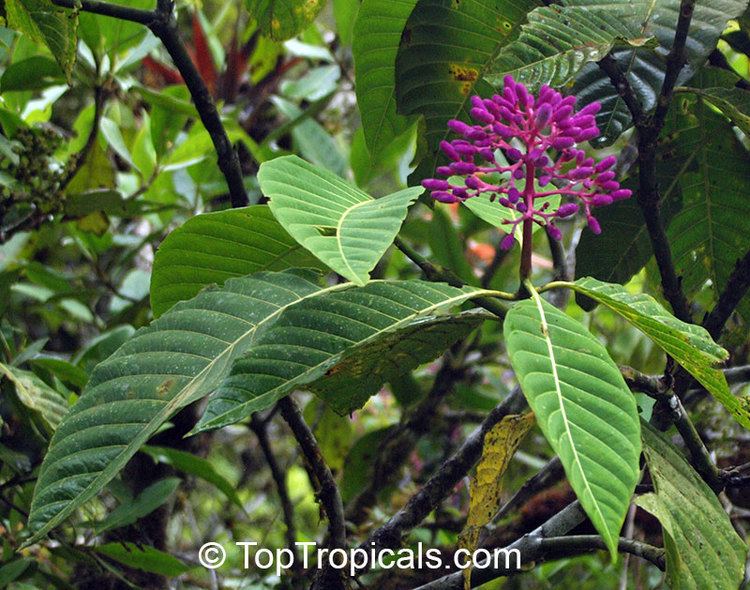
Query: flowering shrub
{"type": "Point", "coordinates": [539, 138]}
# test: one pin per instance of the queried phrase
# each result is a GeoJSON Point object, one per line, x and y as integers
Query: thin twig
{"type": "Point", "coordinates": [444, 480]}
{"type": "Point", "coordinates": [260, 428]}
{"type": "Point", "coordinates": [163, 24]}
{"type": "Point", "coordinates": [547, 476]}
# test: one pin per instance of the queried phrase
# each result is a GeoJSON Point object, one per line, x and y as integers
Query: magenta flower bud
{"type": "Point", "coordinates": [563, 113]}
{"type": "Point", "coordinates": [462, 168]}
{"type": "Point", "coordinates": [584, 121]}
{"type": "Point", "coordinates": [579, 173]}
{"type": "Point", "coordinates": [507, 242]}
{"type": "Point", "coordinates": [554, 231]}
{"type": "Point", "coordinates": [543, 115]}
{"type": "Point", "coordinates": [623, 193]}
{"type": "Point", "coordinates": [524, 99]}
{"type": "Point", "coordinates": [590, 109]}
{"type": "Point", "coordinates": [610, 185]}
{"type": "Point", "coordinates": [477, 102]}
{"type": "Point", "coordinates": [513, 194]}
{"type": "Point", "coordinates": [502, 130]}
{"type": "Point", "coordinates": [476, 135]}
{"type": "Point", "coordinates": [444, 170]}
{"type": "Point", "coordinates": [606, 164]}
{"type": "Point", "coordinates": [545, 179]}
{"type": "Point", "coordinates": [465, 149]}
{"type": "Point", "coordinates": [459, 127]}
{"type": "Point", "coordinates": [482, 115]}
{"type": "Point", "coordinates": [594, 225]}
{"type": "Point", "coordinates": [601, 200]}
{"type": "Point", "coordinates": [569, 101]}
{"type": "Point", "coordinates": [541, 162]}
{"type": "Point", "coordinates": [560, 143]}
{"type": "Point", "coordinates": [449, 150]}
{"type": "Point", "coordinates": [443, 197]}
{"type": "Point", "coordinates": [519, 173]}
{"type": "Point", "coordinates": [460, 193]}
{"type": "Point", "coordinates": [567, 210]}
{"type": "Point", "coordinates": [588, 134]}
{"type": "Point", "coordinates": [473, 182]}
{"type": "Point", "coordinates": [514, 155]}
{"type": "Point", "coordinates": [504, 202]}
{"type": "Point", "coordinates": [487, 154]}
{"type": "Point", "coordinates": [436, 184]}
{"type": "Point", "coordinates": [522, 207]}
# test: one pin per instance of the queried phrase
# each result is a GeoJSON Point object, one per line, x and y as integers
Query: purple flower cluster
{"type": "Point", "coordinates": [538, 137]}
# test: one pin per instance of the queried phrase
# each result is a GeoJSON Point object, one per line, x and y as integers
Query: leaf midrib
{"type": "Point", "coordinates": [561, 402]}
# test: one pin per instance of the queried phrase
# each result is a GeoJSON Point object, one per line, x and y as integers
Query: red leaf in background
{"type": "Point", "coordinates": [159, 74]}
{"type": "Point", "coordinates": [202, 56]}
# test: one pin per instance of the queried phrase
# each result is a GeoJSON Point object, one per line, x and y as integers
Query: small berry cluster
{"type": "Point", "coordinates": [538, 138]}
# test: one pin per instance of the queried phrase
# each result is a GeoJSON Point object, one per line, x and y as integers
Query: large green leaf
{"type": "Point", "coordinates": [342, 333]}
{"type": "Point", "coordinates": [690, 345]}
{"type": "Point", "coordinates": [582, 405]}
{"type": "Point", "coordinates": [709, 234]}
{"type": "Point", "coordinates": [377, 34]}
{"type": "Point", "coordinates": [703, 549]}
{"type": "Point", "coordinates": [282, 19]}
{"type": "Point", "coordinates": [36, 395]}
{"type": "Point", "coordinates": [46, 23]}
{"type": "Point", "coordinates": [211, 248]}
{"type": "Point", "coordinates": [645, 68]}
{"type": "Point", "coordinates": [144, 558]}
{"type": "Point", "coordinates": [344, 227]}
{"type": "Point", "coordinates": [445, 50]}
{"type": "Point", "coordinates": [559, 40]}
{"type": "Point", "coordinates": [180, 357]}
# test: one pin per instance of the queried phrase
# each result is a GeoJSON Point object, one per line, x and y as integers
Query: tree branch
{"type": "Point", "coordinates": [328, 492]}
{"type": "Point", "coordinates": [736, 288]}
{"type": "Point", "coordinates": [441, 483]}
{"type": "Point", "coordinates": [548, 475]}
{"type": "Point", "coordinates": [163, 24]}
{"type": "Point", "coordinates": [260, 428]}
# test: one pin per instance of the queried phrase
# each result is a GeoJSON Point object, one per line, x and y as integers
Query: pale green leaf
{"type": "Point", "coordinates": [690, 345]}
{"type": "Point", "coordinates": [210, 248]}
{"type": "Point", "coordinates": [342, 333]}
{"type": "Point", "coordinates": [703, 549]}
{"type": "Point", "coordinates": [36, 395]}
{"type": "Point", "coordinates": [180, 357]}
{"type": "Point", "coordinates": [341, 225]}
{"type": "Point", "coordinates": [583, 407]}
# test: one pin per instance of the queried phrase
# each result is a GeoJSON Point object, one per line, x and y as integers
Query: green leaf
{"type": "Point", "coordinates": [734, 103]}
{"type": "Point", "coordinates": [197, 466]}
{"type": "Point", "coordinates": [142, 505]}
{"type": "Point", "coordinates": [144, 558]}
{"type": "Point", "coordinates": [46, 23]}
{"type": "Point", "coordinates": [645, 68]}
{"type": "Point", "coordinates": [361, 371]}
{"type": "Point", "coordinates": [282, 19]}
{"type": "Point", "coordinates": [690, 345]}
{"type": "Point", "coordinates": [703, 549]}
{"type": "Point", "coordinates": [709, 234]}
{"type": "Point", "coordinates": [445, 51]}
{"type": "Point", "coordinates": [179, 358]}
{"type": "Point", "coordinates": [36, 395]}
{"type": "Point", "coordinates": [559, 40]}
{"type": "Point", "coordinates": [341, 225]}
{"type": "Point", "coordinates": [583, 407]}
{"type": "Point", "coordinates": [377, 34]}
{"type": "Point", "coordinates": [321, 337]}
{"type": "Point", "coordinates": [213, 247]}
{"type": "Point", "coordinates": [33, 73]}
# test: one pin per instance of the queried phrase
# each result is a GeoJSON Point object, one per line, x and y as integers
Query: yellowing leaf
{"type": "Point", "coordinates": [500, 444]}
